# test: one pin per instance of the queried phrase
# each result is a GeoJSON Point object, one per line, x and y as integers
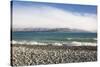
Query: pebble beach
{"type": "Point", "coordinates": [26, 55]}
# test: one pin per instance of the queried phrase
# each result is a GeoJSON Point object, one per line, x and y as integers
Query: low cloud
{"type": "Point", "coordinates": [51, 17]}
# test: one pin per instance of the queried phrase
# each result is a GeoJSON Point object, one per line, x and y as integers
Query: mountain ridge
{"type": "Point", "coordinates": [48, 30]}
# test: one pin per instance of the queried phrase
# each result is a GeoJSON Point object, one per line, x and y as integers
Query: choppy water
{"type": "Point", "coordinates": [54, 38]}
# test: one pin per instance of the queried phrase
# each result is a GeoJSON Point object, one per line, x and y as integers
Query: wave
{"type": "Point", "coordinates": [84, 43]}
{"type": "Point", "coordinates": [73, 43]}
{"type": "Point", "coordinates": [82, 38]}
{"type": "Point", "coordinates": [27, 42]}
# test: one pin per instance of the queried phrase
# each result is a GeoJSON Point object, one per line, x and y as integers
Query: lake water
{"type": "Point", "coordinates": [54, 38]}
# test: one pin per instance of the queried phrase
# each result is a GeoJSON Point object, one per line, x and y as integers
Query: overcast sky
{"type": "Point", "coordinates": [50, 15]}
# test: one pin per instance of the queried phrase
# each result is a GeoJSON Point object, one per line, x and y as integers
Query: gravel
{"type": "Point", "coordinates": [26, 55]}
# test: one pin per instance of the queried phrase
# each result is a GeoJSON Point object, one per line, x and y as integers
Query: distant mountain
{"type": "Point", "coordinates": [49, 29]}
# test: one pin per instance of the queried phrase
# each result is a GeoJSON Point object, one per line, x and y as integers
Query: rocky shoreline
{"type": "Point", "coordinates": [25, 55]}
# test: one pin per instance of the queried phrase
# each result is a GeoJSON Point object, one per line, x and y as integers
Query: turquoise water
{"type": "Point", "coordinates": [53, 36]}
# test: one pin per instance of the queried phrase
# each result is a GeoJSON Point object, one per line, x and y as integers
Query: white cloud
{"type": "Point", "coordinates": [50, 17]}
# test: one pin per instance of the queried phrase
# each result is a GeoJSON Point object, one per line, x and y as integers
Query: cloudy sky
{"type": "Point", "coordinates": [51, 15]}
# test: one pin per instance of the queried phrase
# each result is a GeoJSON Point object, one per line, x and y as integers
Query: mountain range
{"type": "Point", "coordinates": [49, 30]}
